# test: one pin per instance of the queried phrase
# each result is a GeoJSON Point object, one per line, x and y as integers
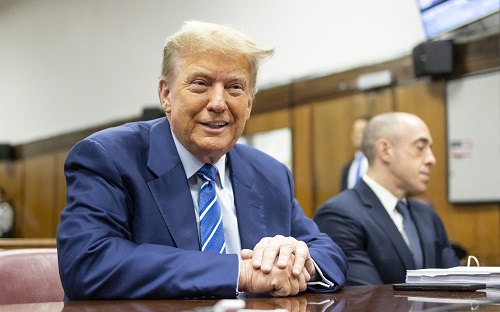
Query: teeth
{"type": "Point", "coordinates": [216, 124]}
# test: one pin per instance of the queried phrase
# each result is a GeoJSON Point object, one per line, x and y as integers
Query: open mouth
{"type": "Point", "coordinates": [215, 125]}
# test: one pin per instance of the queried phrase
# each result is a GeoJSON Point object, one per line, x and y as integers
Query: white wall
{"type": "Point", "coordinates": [66, 65]}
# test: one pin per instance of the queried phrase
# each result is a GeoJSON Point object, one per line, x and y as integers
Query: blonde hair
{"type": "Point", "coordinates": [197, 37]}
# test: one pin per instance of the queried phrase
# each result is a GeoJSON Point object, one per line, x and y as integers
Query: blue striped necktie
{"type": "Point", "coordinates": [211, 227]}
{"type": "Point", "coordinates": [411, 233]}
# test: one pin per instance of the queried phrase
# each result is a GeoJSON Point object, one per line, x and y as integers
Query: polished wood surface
{"type": "Point", "coordinates": [18, 243]}
{"type": "Point", "coordinates": [354, 298]}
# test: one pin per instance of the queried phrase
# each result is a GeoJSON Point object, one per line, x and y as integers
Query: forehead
{"type": "Point", "coordinates": [416, 131]}
{"type": "Point", "coordinates": [215, 64]}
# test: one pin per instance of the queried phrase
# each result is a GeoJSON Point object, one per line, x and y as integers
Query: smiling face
{"type": "Point", "coordinates": [411, 157]}
{"type": "Point", "coordinates": [207, 102]}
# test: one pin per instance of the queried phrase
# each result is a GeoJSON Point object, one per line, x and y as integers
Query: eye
{"type": "Point", "coordinates": [235, 88]}
{"type": "Point", "coordinates": [421, 147]}
{"type": "Point", "coordinates": [199, 85]}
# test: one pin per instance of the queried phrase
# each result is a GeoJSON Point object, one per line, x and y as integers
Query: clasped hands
{"type": "Point", "coordinates": [279, 265]}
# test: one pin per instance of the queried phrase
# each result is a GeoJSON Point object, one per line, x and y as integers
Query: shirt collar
{"type": "Point", "coordinates": [192, 164]}
{"type": "Point", "coordinates": [387, 199]}
{"type": "Point", "coordinates": [358, 154]}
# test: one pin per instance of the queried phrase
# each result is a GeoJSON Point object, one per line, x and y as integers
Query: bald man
{"type": "Point", "coordinates": [381, 230]}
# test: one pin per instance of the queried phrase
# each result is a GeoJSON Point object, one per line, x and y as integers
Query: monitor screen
{"type": "Point", "coordinates": [441, 16]}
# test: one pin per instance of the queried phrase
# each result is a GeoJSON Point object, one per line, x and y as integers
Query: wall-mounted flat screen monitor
{"type": "Point", "coordinates": [442, 16]}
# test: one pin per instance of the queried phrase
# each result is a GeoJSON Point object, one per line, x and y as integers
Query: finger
{"type": "Point", "coordinates": [246, 254]}
{"type": "Point", "coordinates": [294, 286]}
{"type": "Point", "coordinates": [303, 279]}
{"type": "Point", "coordinates": [301, 256]}
{"type": "Point", "coordinates": [270, 253]}
{"type": "Point", "coordinates": [282, 291]}
{"type": "Point", "coordinates": [311, 269]}
{"type": "Point", "coordinates": [258, 252]}
{"type": "Point", "coordinates": [305, 274]}
{"type": "Point", "coordinates": [286, 250]}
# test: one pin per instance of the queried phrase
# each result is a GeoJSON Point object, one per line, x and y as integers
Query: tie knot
{"type": "Point", "coordinates": [403, 210]}
{"type": "Point", "coordinates": [207, 172]}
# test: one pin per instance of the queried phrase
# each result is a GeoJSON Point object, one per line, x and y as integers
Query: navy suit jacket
{"type": "Point", "coordinates": [375, 249]}
{"type": "Point", "coordinates": [129, 229]}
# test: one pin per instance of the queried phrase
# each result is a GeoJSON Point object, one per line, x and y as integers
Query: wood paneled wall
{"type": "Point", "coordinates": [36, 188]}
{"type": "Point", "coordinates": [320, 112]}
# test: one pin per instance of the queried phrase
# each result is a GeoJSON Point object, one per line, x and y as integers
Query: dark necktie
{"type": "Point", "coordinates": [411, 233]}
{"type": "Point", "coordinates": [211, 227]}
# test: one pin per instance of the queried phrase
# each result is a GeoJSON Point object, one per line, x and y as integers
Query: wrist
{"type": "Point", "coordinates": [241, 277]}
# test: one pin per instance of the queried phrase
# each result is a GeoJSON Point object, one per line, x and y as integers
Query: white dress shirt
{"type": "Point", "coordinates": [224, 191]}
{"type": "Point", "coordinates": [359, 160]}
{"type": "Point", "coordinates": [389, 202]}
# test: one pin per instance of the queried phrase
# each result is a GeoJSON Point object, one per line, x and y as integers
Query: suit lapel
{"type": "Point", "coordinates": [249, 204]}
{"type": "Point", "coordinates": [384, 221]}
{"type": "Point", "coordinates": [171, 193]}
{"type": "Point", "coordinates": [170, 189]}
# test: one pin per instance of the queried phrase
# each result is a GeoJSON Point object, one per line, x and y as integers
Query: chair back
{"type": "Point", "coordinates": [29, 275]}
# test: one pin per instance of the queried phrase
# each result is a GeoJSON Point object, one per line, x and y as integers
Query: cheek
{"type": "Point", "coordinates": [240, 110]}
{"type": "Point", "coordinates": [185, 107]}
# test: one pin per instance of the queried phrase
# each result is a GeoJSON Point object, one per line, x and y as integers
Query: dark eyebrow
{"type": "Point", "coordinates": [422, 140]}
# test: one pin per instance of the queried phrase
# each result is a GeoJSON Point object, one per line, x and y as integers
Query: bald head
{"type": "Point", "coordinates": [388, 126]}
{"type": "Point", "coordinates": [398, 148]}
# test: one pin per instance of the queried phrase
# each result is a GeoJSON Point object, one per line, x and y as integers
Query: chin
{"type": "Point", "coordinates": [421, 190]}
{"type": "Point", "coordinates": [418, 190]}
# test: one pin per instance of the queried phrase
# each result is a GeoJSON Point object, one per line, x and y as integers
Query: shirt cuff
{"type": "Point", "coordinates": [326, 283]}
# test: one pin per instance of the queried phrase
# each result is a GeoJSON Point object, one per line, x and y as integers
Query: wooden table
{"type": "Point", "coordinates": [355, 298]}
{"type": "Point", "coordinates": [18, 243]}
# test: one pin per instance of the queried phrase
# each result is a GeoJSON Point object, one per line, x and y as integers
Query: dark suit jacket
{"type": "Point", "coordinates": [376, 252]}
{"type": "Point", "coordinates": [129, 227]}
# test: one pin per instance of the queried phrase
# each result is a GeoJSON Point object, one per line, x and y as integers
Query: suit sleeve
{"type": "Point", "coordinates": [98, 258]}
{"type": "Point", "coordinates": [327, 255]}
{"type": "Point", "coordinates": [446, 257]}
{"type": "Point", "coordinates": [349, 235]}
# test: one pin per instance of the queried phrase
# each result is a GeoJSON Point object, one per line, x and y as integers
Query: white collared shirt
{"type": "Point", "coordinates": [389, 202]}
{"type": "Point", "coordinates": [225, 195]}
{"type": "Point", "coordinates": [359, 160]}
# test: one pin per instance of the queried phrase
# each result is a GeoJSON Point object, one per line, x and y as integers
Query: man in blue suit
{"type": "Point", "coordinates": [381, 244]}
{"type": "Point", "coordinates": [354, 170]}
{"type": "Point", "coordinates": [130, 228]}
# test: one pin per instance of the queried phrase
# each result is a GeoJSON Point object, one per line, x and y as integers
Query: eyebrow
{"type": "Point", "coordinates": [423, 140]}
{"type": "Point", "coordinates": [200, 71]}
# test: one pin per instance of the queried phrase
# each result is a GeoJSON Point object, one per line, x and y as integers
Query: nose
{"type": "Point", "coordinates": [430, 159]}
{"type": "Point", "coordinates": [217, 103]}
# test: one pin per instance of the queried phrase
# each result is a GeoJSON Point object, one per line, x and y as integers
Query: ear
{"type": "Point", "coordinates": [384, 150]}
{"type": "Point", "coordinates": [250, 105]}
{"type": "Point", "coordinates": [164, 93]}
